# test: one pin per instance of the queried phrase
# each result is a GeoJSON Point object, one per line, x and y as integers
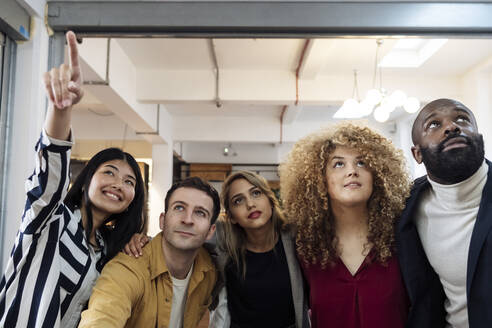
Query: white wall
{"type": "Point", "coordinates": [162, 159]}
{"type": "Point", "coordinates": [404, 130]}
{"type": "Point", "coordinates": [247, 153]}
{"type": "Point", "coordinates": [477, 88]}
{"type": "Point", "coordinates": [87, 126]}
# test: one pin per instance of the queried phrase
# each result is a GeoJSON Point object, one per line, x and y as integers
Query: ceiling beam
{"type": "Point", "coordinates": [291, 113]}
{"type": "Point", "coordinates": [269, 18]}
{"type": "Point", "coordinates": [113, 84]}
{"type": "Point", "coordinates": [276, 88]}
{"type": "Point", "coordinates": [221, 128]}
{"type": "Point", "coordinates": [316, 58]}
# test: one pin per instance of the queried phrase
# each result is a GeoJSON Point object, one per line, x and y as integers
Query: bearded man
{"type": "Point", "coordinates": [444, 237]}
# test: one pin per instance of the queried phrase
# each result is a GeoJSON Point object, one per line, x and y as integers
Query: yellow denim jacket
{"type": "Point", "coordinates": [137, 292]}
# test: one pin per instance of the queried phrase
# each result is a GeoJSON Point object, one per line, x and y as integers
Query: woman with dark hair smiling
{"type": "Point", "coordinates": [65, 239]}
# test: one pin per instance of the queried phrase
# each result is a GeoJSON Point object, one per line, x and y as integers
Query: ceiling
{"type": "Point", "coordinates": [257, 84]}
{"type": "Point", "coordinates": [341, 56]}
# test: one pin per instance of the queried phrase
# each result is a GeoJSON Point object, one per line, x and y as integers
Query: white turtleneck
{"type": "Point", "coordinates": [445, 219]}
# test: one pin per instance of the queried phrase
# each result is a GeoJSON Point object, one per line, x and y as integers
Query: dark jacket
{"type": "Point", "coordinates": [423, 285]}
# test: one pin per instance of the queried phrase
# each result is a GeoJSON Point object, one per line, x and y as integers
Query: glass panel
{"type": "Point", "coordinates": [2, 47]}
{"type": "Point", "coordinates": [7, 55]}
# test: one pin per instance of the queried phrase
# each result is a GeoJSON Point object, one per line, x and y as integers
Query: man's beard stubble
{"type": "Point", "coordinates": [454, 165]}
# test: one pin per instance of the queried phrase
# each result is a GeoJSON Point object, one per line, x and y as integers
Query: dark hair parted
{"type": "Point", "coordinates": [305, 195]}
{"type": "Point", "coordinates": [124, 224]}
{"type": "Point", "coordinates": [198, 184]}
{"type": "Point", "coordinates": [232, 238]}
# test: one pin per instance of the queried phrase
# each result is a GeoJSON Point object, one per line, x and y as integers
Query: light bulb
{"type": "Point", "coordinates": [398, 98]}
{"type": "Point", "coordinates": [373, 97]}
{"type": "Point", "coordinates": [387, 104]}
{"type": "Point", "coordinates": [381, 114]}
{"type": "Point", "coordinates": [411, 105]}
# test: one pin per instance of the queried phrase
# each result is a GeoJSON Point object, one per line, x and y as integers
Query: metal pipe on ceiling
{"type": "Point", "coordinates": [213, 53]}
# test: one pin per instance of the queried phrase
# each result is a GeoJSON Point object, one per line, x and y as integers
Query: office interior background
{"type": "Point", "coordinates": [205, 88]}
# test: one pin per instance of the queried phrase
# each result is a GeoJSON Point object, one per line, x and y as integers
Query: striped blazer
{"type": "Point", "coordinates": [50, 258]}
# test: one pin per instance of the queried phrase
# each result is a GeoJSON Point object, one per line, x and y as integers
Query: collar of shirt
{"type": "Point", "coordinates": [158, 265]}
{"type": "Point", "coordinates": [464, 194]}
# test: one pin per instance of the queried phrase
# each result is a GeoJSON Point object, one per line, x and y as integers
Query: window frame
{"type": "Point", "coordinates": [8, 49]}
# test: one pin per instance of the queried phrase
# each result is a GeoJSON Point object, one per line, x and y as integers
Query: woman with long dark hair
{"type": "Point", "coordinates": [65, 239]}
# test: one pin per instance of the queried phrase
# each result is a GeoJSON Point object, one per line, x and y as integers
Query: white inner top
{"type": "Point", "coordinates": [445, 219]}
{"type": "Point", "coordinates": [180, 289]}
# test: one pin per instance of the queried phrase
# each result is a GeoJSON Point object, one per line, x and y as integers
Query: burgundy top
{"type": "Point", "coordinates": [374, 297]}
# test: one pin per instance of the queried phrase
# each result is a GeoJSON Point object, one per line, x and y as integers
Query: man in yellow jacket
{"type": "Point", "coordinates": [170, 284]}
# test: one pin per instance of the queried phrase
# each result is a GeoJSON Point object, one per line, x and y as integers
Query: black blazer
{"type": "Point", "coordinates": [423, 285]}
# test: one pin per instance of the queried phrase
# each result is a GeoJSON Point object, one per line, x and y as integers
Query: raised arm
{"type": "Point", "coordinates": [63, 88]}
{"type": "Point", "coordinates": [47, 186]}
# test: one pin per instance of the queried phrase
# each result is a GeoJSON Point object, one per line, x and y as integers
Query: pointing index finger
{"type": "Point", "coordinates": [73, 55]}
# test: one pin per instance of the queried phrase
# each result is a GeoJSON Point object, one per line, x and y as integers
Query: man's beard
{"type": "Point", "coordinates": [454, 165]}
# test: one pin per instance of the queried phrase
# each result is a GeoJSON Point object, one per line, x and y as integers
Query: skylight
{"type": "Point", "coordinates": [411, 52]}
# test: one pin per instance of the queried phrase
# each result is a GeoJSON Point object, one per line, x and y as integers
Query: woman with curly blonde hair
{"type": "Point", "coordinates": [263, 280]}
{"type": "Point", "coordinates": [344, 187]}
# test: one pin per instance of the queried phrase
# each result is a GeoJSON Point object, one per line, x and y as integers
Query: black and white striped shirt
{"type": "Point", "coordinates": [51, 267]}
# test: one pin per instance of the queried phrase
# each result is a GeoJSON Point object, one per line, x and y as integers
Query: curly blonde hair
{"type": "Point", "coordinates": [305, 197]}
